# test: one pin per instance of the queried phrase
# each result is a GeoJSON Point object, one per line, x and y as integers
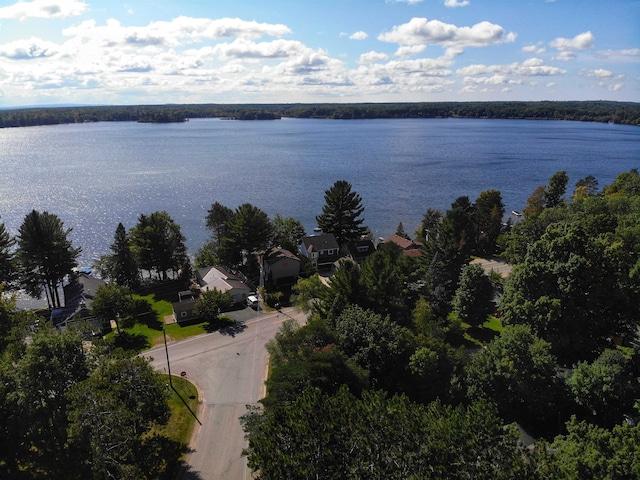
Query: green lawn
{"type": "Point", "coordinates": [146, 335]}
{"type": "Point", "coordinates": [483, 334]}
{"type": "Point", "coordinates": [184, 406]}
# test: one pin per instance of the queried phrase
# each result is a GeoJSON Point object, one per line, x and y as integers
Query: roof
{"type": "Point", "coordinates": [325, 241]}
{"type": "Point", "coordinates": [402, 242]}
{"type": "Point", "coordinates": [78, 295]}
{"type": "Point", "coordinates": [276, 254]}
{"type": "Point", "coordinates": [409, 247]}
{"type": "Point", "coordinates": [207, 275]}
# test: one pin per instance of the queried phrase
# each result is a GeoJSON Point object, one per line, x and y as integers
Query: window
{"type": "Point", "coordinates": [183, 314]}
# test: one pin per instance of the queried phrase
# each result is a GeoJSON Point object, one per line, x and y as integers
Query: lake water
{"type": "Point", "coordinates": [95, 175]}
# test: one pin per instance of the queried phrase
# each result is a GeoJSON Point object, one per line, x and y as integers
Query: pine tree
{"type": "Point", "coordinates": [6, 256]}
{"type": "Point", "coordinates": [45, 254]}
{"type": "Point", "coordinates": [341, 213]}
{"type": "Point", "coordinates": [125, 268]}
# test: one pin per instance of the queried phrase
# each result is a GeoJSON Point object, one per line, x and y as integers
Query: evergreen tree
{"type": "Point", "coordinates": [45, 255]}
{"type": "Point", "coordinates": [7, 258]}
{"type": "Point", "coordinates": [556, 189]}
{"type": "Point", "coordinates": [489, 211]}
{"type": "Point", "coordinates": [341, 213]}
{"type": "Point", "coordinates": [250, 230]}
{"type": "Point", "coordinates": [125, 268]}
{"type": "Point", "coordinates": [473, 301]}
{"type": "Point", "coordinates": [218, 220]}
{"type": "Point", "coordinates": [158, 244]}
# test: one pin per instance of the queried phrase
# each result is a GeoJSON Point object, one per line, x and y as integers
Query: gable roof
{"type": "Point", "coordinates": [324, 241]}
{"type": "Point", "coordinates": [409, 247]}
{"type": "Point", "coordinates": [275, 254]}
{"type": "Point", "coordinates": [207, 275]}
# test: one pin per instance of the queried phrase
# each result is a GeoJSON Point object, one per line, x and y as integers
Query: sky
{"type": "Point", "coordinates": [112, 52]}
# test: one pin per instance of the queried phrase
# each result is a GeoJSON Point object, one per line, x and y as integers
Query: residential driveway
{"type": "Point", "coordinates": [229, 371]}
{"type": "Point", "coordinates": [493, 265]}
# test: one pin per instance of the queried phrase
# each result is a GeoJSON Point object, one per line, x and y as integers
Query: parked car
{"type": "Point", "coordinates": [253, 302]}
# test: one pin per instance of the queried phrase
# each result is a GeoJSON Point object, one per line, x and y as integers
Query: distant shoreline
{"type": "Point", "coordinates": [622, 113]}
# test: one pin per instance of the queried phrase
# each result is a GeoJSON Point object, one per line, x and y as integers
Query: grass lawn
{"type": "Point", "coordinates": [147, 335]}
{"type": "Point", "coordinates": [184, 405]}
{"type": "Point", "coordinates": [483, 334]}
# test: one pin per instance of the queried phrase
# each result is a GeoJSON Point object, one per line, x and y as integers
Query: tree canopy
{"type": "Point", "coordinates": [341, 213]}
{"type": "Point", "coordinates": [45, 254]}
{"type": "Point", "coordinates": [158, 244]}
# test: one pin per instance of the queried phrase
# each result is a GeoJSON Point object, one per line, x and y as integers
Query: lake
{"type": "Point", "coordinates": [95, 175]}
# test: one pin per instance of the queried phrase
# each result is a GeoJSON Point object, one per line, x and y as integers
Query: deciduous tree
{"type": "Point", "coordinates": [211, 303]}
{"type": "Point", "coordinates": [518, 372]}
{"type": "Point", "coordinates": [606, 388]}
{"type": "Point", "coordinates": [112, 411]}
{"type": "Point", "coordinates": [287, 233]}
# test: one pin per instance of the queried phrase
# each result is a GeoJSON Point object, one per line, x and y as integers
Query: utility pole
{"type": "Point", "coordinates": [166, 349]}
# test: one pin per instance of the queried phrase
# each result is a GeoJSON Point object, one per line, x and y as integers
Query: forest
{"type": "Point", "coordinates": [626, 113]}
{"type": "Point", "coordinates": [408, 366]}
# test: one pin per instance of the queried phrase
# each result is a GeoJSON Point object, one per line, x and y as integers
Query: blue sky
{"type": "Point", "coordinates": [286, 51]}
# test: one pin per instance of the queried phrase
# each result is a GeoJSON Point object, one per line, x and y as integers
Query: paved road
{"type": "Point", "coordinates": [229, 370]}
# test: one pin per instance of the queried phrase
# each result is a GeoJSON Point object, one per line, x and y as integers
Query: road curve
{"type": "Point", "coordinates": [229, 371]}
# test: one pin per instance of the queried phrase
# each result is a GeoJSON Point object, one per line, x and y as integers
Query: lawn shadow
{"type": "Point", "coordinates": [151, 319]}
{"type": "Point", "coordinates": [131, 341]}
{"type": "Point", "coordinates": [482, 334]}
{"type": "Point", "coordinates": [185, 402]}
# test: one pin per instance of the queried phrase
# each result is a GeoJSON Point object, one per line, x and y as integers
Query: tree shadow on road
{"type": "Point", "coordinates": [233, 329]}
{"type": "Point", "coordinates": [189, 474]}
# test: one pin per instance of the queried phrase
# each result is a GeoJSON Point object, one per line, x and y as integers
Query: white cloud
{"type": "Point", "coordinates": [581, 41]}
{"type": "Point", "coordinates": [599, 73]}
{"type": "Point", "coordinates": [44, 9]}
{"type": "Point", "coordinates": [536, 49]}
{"type": "Point", "coordinates": [178, 31]}
{"type": "Point", "coordinates": [532, 67]}
{"type": "Point", "coordinates": [456, 3]}
{"type": "Point", "coordinates": [358, 35]}
{"type": "Point", "coordinates": [632, 54]}
{"type": "Point", "coordinates": [410, 50]}
{"type": "Point", "coordinates": [242, 48]}
{"type": "Point", "coordinates": [372, 57]}
{"type": "Point", "coordinates": [28, 49]}
{"type": "Point", "coordinates": [420, 31]}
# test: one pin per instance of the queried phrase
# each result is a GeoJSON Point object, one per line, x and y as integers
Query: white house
{"type": "Point", "coordinates": [219, 278]}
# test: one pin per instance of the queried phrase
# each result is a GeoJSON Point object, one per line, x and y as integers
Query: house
{"type": "Point", "coordinates": [322, 250]}
{"type": "Point", "coordinates": [221, 279]}
{"type": "Point", "coordinates": [78, 295]}
{"type": "Point", "coordinates": [361, 249]}
{"type": "Point", "coordinates": [184, 309]}
{"type": "Point", "coordinates": [409, 247]}
{"type": "Point", "coordinates": [280, 267]}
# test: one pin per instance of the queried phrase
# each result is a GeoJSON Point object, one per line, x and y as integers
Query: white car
{"type": "Point", "coordinates": [253, 302]}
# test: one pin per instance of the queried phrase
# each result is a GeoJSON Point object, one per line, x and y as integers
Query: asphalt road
{"type": "Point", "coordinates": [229, 370]}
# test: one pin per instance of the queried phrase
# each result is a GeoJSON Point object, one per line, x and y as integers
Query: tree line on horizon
{"type": "Point", "coordinates": [626, 113]}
